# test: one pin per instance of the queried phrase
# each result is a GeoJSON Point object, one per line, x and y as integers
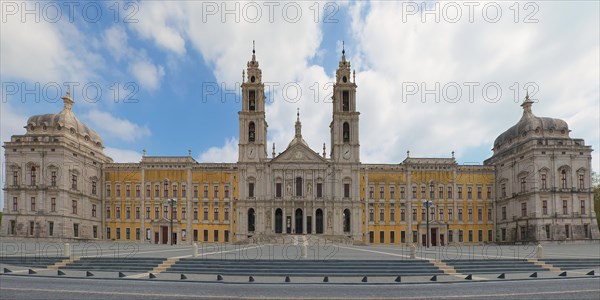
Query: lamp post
{"type": "Point", "coordinates": [427, 204]}
{"type": "Point", "coordinates": [172, 202]}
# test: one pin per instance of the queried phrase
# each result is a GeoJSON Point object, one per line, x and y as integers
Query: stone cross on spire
{"type": "Point", "coordinates": [298, 124]}
{"type": "Point", "coordinates": [67, 100]}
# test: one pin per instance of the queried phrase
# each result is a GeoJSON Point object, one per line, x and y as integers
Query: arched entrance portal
{"type": "Point", "coordinates": [346, 220]}
{"type": "Point", "coordinates": [299, 221]}
{"type": "Point", "coordinates": [279, 221]}
{"type": "Point", "coordinates": [251, 220]}
{"type": "Point", "coordinates": [319, 216]}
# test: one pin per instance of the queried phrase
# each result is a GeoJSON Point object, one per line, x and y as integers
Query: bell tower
{"type": "Point", "coordinates": [253, 126]}
{"type": "Point", "coordinates": [345, 146]}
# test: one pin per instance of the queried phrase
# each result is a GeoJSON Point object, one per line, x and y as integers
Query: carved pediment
{"type": "Point", "coordinates": [298, 153]}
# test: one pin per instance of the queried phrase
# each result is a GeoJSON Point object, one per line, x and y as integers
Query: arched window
{"type": "Point", "coordinates": [278, 221]}
{"type": "Point", "coordinates": [298, 186]}
{"type": "Point", "coordinates": [251, 220]}
{"type": "Point", "coordinates": [563, 178]}
{"type": "Point", "coordinates": [252, 100]}
{"type": "Point", "coordinates": [346, 132]}
{"type": "Point", "coordinates": [251, 132]}
{"type": "Point", "coordinates": [346, 100]}
{"type": "Point", "coordinates": [346, 220]}
{"type": "Point", "coordinates": [33, 176]}
{"type": "Point", "coordinates": [319, 223]}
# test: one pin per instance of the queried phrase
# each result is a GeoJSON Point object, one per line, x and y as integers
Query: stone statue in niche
{"type": "Point", "coordinates": [329, 220]}
{"type": "Point", "coordinates": [309, 189]}
{"type": "Point", "coordinates": [268, 221]}
{"type": "Point", "coordinates": [289, 189]}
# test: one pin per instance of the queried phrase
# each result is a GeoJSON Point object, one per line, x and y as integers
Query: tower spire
{"type": "Point", "coordinates": [298, 124]}
{"type": "Point", "coordinates": [67, 100]}
{"type": "Point", "coordinates": [527, 103]}
{"type": "Point", "coordinates": [343, 51]}
{"type": "Point", "coordinates": [253, 51]}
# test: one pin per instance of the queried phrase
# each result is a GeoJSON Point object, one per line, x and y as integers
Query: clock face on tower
{"type": "Point", "coordinates": [346, 152]}
{"type": "Point", "coordinates": [251, 152]}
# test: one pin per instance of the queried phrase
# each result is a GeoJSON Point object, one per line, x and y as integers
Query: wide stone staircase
{"type": "Point", "coordinates": [305, 267]}
{"type": "Point", "coordinates": [489, 266]}
{"type": "Point", "coordinates": [573, 263]}
{"type": "Point", "coordinates": [109, 264]}
{"type": "Point", "coordinates": [30, 261]}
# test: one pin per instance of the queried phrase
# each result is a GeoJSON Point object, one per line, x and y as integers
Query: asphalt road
{"type": "Point", "coordinates": [23, 287]}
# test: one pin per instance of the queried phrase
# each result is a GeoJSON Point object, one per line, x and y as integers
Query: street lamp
{"type": "Point", "coordinates": [172, 202]}
{"type": "Point", "coordinates": [427, 204]}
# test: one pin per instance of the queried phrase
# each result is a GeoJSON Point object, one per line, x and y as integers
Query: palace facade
{"type": "Point", "coordinates": [536, 186]}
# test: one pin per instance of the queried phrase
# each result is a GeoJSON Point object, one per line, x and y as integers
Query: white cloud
{"type": "Point", "coordinates": [147, 74]}
{"type": "Point", "coordinates": [116, 41]}
{"type": "Point", "coordinates": [161, 22]}
{"type": "Point", "coordinates": [226, 153]}
{"type": "Point", "coordinates": [116, 127]}
{"type": "Point", "coordinates": [11, 123]}
{"type": "Point", "coordinates": [123, 155]}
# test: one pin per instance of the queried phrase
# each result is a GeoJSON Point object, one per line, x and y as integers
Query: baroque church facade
{"type": "Point", "coordinates": [536, 187]}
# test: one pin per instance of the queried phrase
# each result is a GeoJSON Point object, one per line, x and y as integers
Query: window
{"type": "Point", "coordinates": [586, 230]}
{"type": "Point", "coordinates": [128, 212]}
{"type": "Point", "coordinates": [205, 235]}
{"type": "Point", "coordinates": [137, 191]}
{"type": "Point", "coordinates": [449, 192]}
{"type": "Point", "coordinates": [565, 208]}
{"type": "Point", "coordinates": [252, 100]}
{"type": "Point", "coordinates": [76, 230]}
{"type": "Point", "coordinates": [414, 214]}
{"type": "Point", "coordinates": [503, 190]}
{"type": "Point", "coordinates": [503, 212]}
{"type": "Point", "coordinates": [251, 132]}
{"type": "Point", "coordinates": [118, 190]}
{"type": "Point", "coordinates": [583, 207]}
{"type": "Point", "coordinates": [381, 192]}
{"type": "Point", "coordinates": [74, 181]}
{"type": "Point", "coordinates": [479, 192]}
{"type": "Point", "coordinates": [392, 214]}
{"type": "Point", "coordinates": [371, 214]}
{"type": "Point", "coordinates": [470, 214]}
{"type": "Point", "coordinates": [490, 237]}
{"type": "Point", "coordinates": [226, 236]}
{"type": "Point", "coordinates": [127, 191]}
{"type": "Point", "coordinates": [183, 191]}
{"type": "Point", "coordinates": [392, 237]}
{"type": "Point", "coordinates": [108, 233]}
{"type": "Point", "coordinates": [460, 214]}
{"type": "Point", "coordinates": [547, 229]}
{"type": "Point", "coordinates": [137, 212]}
{"type": "Point", "coordinates": [460, 236]}
{"type": "Point", "coordinates": [195, 213]}
{"type": "Point", "coordinates": [74, 207]}
{"type": "Point", "coordinates": [50, 228]}
{"type": "Point", "coordinates": [402, 215]}
{"type": "Point", "coordinates": [563, 179]}
{"type": "Point", "coordinates": [503, 234]}
{"type": "Point", "coordinates": [402, 192]}
{"type": "Point", "coordinates": [251, 190]}
{"type": "Point", "coordinates": [441, 214]}
{"type": "Point", "coordinates": [226, 213]}
{"type": "Point", "coordinates": [93, 210]}
{"type": "Point", "coordinates": [545, 207]}
{"type": "Point", "coordinates": [524, 209]}
{"type": "Point", "coordinates": [147, 191]}
{"type": "Point", "coordinates": [156, 213]}
{"type": "Point", "coordinates": [32, 203]}
{"type": "Point", "coordinates": [392, 192]}
{"type": "Point", "coordinates": [371, 192]}
{"type": "Point", "coordinates": [205, 217]}
{"type": "Point", "coordinates": [183, 213]}
{"type": "Point", "coordinates": [381, 215]}
{"type": "Point", "coordinates": [298, 186]}
{"type": "Point", "coordinates": [523, 185]}
{"type": "Point", "coordinates": [382, 236]}
{"type": "Point", "coordinates": [450, 236]}
{"type": "Point", "coordinates": [156, 191]}
{"type": "Point", "coordinates": [480, 214]}
{"type": "Point", "coordinates": [544, 184]}
{"type": "Point", "coordinates": [319, 190]}
{"type": "Point", "coordinates": [195, 191]}
{"type": "Point", "coordinates": [216, 236]}
{"type": "Point", "coordinates": [226, 192]}
{"type": "Point", "coordinates": [567, 231]}
{"type": "Point", "coordinates": [216, 214]}
{"type": "Point", "coordinates": [53, 178]}
{"type": "Point", "coordinates": [431, 191]}
{"type": "Point", "coordinates": [346, 132]}
{"type": "Point", "coordinates": [33, 176]}
{"type": "Point", "coordinates": [53, 204]}
{"type": "Point", "coordinates": [414, 236]}
{"type": "Point", "coordinates": [489, 215]}
{"type": "Point", "coordinates": [127, 233]}
{"type": "Point", "coordinates": [166, 212]}
{"type": "Point", "coordinates": [166, 190]}
{"type": "Point", "coordinates": [118, 233]}
{"type": "Point", "coordinates": [470, 236]}
{"type": "Point", "coordinates": [205, 192]}
{"type": "Point", "coordinates": [216, 192]}
{"type": "Point", "coordinates": [108, 212]}
{"type": "Point", "coordinates": [371, 237]}
{"type": "Point", "coordinates": [118, 212]}
{"type": "Point", "coordinates": [137, 234]}
{"type": "Point", "coordinates": [93, 187]}
{"type": "Point", "coordinates": [147, 212]}
{"type": "Point", "coordinates": [346, 101]}
{"type": "Point", "coordinates": [450, 214]}
{"type": "Point", "coordinates": [460, 192]}
{"type": "Point", "coordinates": [581, 182]}
{"type": "Point", "coordinates": [31, 227]}
{"type": "Point", "coordinates": [16, 177]}
{"type": "Point", "coordinates": [480, 235]}
{"type": "Point", "coordinates": [469, 192]}
{"type": "Point", "coordinates": [489, 193]}
{"type": "Point", "coordinates": [414, 191]}
{"type": "Point", "coordinates": [422, 192]}
{"type": "Point", "coordinates": [441, 192]}
{"type": "Point", "coordinates": [402, 236]}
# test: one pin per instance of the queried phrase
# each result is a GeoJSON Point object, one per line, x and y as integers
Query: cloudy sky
{"type": "Point", "coordinates": [432, 78]}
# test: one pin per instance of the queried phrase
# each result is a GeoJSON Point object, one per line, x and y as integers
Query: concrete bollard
{"type": "Point", "coordinates": [67, 250]}
{"type": "Point", "coordinates": [413, 251]}
{"type": "Point", "coordinates": [539, 251]}
{"type": "Point", "coordinates": [194, 250]}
